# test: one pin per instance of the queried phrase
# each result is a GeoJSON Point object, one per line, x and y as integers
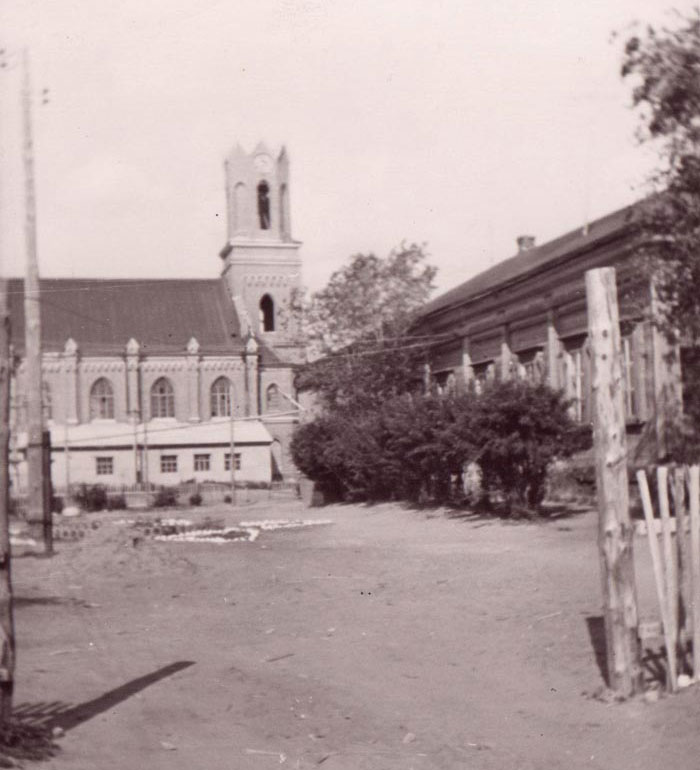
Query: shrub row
{"type": "Point", "coordinates": [420, 447]}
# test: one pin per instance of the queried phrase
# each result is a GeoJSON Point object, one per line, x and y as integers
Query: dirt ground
{"type": "Point", "coordinates": [389, 638]}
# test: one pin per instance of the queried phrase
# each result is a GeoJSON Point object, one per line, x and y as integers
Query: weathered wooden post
{"type": "Point", "coordinates": [610, 446]}
{"type": "Point", "coordinates": [7, 629]}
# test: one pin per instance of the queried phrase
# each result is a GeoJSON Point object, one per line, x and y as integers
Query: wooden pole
{"type": "Point", "coordinates": [38, 513]}
{"type": "Point", "coordinates": [7, 630]}
{"type": "Point", "coordinates": [7, 626]}
{"type": "Point", "coordinates": [671, 576]}
{"type": "Point", "coordinates": [610, 444]}
{"type": "Point", "coordinates": [694, 506]}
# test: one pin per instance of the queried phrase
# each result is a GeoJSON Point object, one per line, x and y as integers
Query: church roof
{"type": "Point", "coordinates": [530, 261]}
{"type": "Point", "coordinates": [103, 315]}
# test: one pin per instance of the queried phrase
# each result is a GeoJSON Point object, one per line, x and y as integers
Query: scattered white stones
{"type": "Point", "coordinates": [245, 532]}
{"type": "Point", "coordinates": [219, 536]}
{"type": "Point", "coordinates": [269, 525]}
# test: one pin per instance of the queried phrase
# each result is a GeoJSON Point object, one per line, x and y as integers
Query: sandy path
{"type": "Point", "coordinates": [387, 639]}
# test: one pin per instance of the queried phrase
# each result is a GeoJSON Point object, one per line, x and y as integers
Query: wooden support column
{"type": "Point", "coordinates": [640, 359]}
{"type": "Point", "coordinates": [553, 352]}
{"type": "Point", "coordinates": [666, 383]}
{"type": "Point", "coordinates": [506, 356]}
{"type": "Point", "coordinates": [610, 447]}
{"type": "Point", "coordinates": [467, 368]}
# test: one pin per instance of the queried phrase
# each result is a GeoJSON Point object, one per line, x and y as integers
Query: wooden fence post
{"type": "Point", "coordinates": [610, 445]}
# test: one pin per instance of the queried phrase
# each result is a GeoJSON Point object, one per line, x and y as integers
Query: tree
{"type": "Point", "coordinates": [370, 298]}
{"type": "Point", "coordinates": [664, 66]}
{"type": "Point", "coordinates": [357, 329]}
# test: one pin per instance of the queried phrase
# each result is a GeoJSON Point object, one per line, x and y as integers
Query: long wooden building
{"type": "Point", "coordinates": [526, 317]}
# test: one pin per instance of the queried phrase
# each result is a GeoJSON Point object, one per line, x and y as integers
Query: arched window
{"type": "Point", "coordinates": [102, 400]}
{"type": "Point", "coordinates": [273, 399]}
{"type": "Point", "coordinates": [162, 399]}
{"type": "Point", "coordinates": [264, 205]}
{"type": "Point", "coordinates": [221, 398]}
{"type": "Point", "coordinates": [267, 313]}
{"type": "Point", "coordinates": [46, 400]}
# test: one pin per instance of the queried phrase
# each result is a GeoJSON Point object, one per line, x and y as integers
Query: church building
{"type": "Point", "coordinates": [141, 378]}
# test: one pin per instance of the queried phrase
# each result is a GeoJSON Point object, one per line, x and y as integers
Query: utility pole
{"type": "Point", "coordinates": [7, 625]}
{"type": "Point", "coordinates": [610, 449]}
{"type": "Point", "coordinates": [7, 630]}
{"type": "Point", "coordinates": [232, 443]}
{"type": "Point", "coordinates": [38, 506]}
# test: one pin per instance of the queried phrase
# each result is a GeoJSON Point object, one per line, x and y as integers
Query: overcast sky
{"type": "Point", "coordinates": [456, 123]}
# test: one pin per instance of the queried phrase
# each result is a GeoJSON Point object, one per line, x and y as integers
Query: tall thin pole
{"type": "Point", "coordinates": [7, 626]}
{"type": "Point", "coordinates": [145, 455]}
{"type": "Point", "coordinates": [37, 508]}
{"type": "Point", "coordinates": [7, 631]}
{"type": "Point", "coordinates": [66, 457]}
{"type": "Point", "coordinates": [232, 447]}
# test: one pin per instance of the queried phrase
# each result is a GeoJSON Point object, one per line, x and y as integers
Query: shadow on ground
{"type": "Point", "coordinates": [596, 632]}
{"type": "Point", "coordinates": [59, 714]}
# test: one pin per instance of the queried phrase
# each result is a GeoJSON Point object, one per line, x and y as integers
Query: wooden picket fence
{"type": "Point", "coordinates": [674, 546]}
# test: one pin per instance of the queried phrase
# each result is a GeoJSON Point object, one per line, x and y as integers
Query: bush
{"type": "Point", "coordinates": [195, 499]}
{"type": "Point", "coordinates": [520, 430]}
{"type": "Point", "coordinates": [423, 447]}
{"type": "Point", "coordinates": [166, 497]}
{"type": "Point", "coordinates": [116, 503]}
{"type": "Point", "coordinates": [57, 504]}
{"type": "Point", "coordinates": [227, 498]}
{"type": "Point", "coordinates": [91, 497]}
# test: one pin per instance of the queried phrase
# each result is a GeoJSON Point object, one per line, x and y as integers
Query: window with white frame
{"type": "Point", "coordinates": [104, 466]}
{"type": "Point", "coordinates": [531, 367]}
{"type": "Point", "coordinates": [162, 398]}
{"type": "Point", "coordinates": [220, 394]}
{"type": "Point", "coordinates": [202, 462]}
{"type": "Point", "coordinates": [168, 463]}
{"type": "Point", "coordinates": [482, 374]}
{"type": "Point", "coordinates": [102, 400]}
{"type": "Point", "coordinates": [227, 461]}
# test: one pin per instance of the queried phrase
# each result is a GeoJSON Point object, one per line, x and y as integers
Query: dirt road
{"type": "Point", "coordinates": [386, 639]}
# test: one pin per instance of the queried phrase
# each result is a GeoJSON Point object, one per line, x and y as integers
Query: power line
{"type": "Point", "coordinates": [128, 434]}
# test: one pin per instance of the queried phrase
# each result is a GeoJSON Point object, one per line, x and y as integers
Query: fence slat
{"type": "Point", "coordinates": [655, 560]}
{"type": "Point", "coordinates": [678, 489]}
{"type": "Point", "coordinates": [695, 563]}
{"type": "Point", "coordinates": [671, 575]}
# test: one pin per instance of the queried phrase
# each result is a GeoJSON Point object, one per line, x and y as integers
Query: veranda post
{"type": "Point", "coordinates": [610, 446]}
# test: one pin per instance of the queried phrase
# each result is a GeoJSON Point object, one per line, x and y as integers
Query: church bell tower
{"type": "Point", "coordinates": [262, 266]}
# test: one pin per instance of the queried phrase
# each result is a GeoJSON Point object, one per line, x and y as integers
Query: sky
{"type": "Point", "coordinates": [453, 123]}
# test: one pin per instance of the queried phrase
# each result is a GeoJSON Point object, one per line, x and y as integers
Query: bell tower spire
{"type": "Point", "coordinates": [262, 266]}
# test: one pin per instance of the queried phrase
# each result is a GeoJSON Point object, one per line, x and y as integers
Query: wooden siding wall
{"type": "Point", "coordinates": [543, 316]}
